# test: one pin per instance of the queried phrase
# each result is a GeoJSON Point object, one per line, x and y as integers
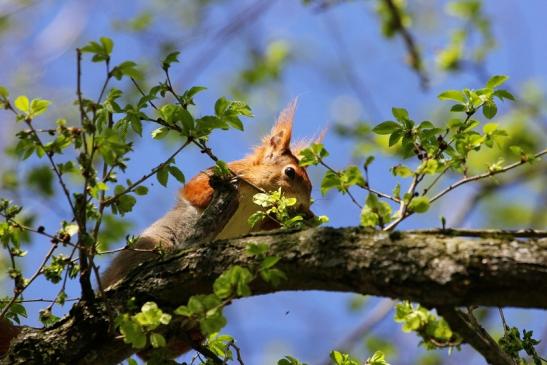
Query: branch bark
{"type": "Point", "coordinates": [435, 270]}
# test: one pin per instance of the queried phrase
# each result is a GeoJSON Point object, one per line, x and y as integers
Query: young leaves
{"type": "Point", "coordinates": [101, 50]}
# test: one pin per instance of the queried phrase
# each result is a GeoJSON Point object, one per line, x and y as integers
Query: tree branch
{"type": "Point", "coordinates": [493, 271]}
{"type": "Point", "coordinates": [474, 334]}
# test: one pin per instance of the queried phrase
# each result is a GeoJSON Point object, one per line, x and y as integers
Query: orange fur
{"type": "Point", "coordinates": [197, 191]}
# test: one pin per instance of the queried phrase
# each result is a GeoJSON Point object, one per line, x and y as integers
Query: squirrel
{"type": "Point", "coordinates": [270, 166]}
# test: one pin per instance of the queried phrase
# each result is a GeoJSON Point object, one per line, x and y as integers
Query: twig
{"type": "Point", "coordinates": [474, 334]}
{"type": "Point", "coordinates": [79, 82]}
{"type": "Point", "coordinates": [30, 280]}
{"type": "Point", "coordinates": [412, 48]}
{"type": "Point", "coordinates": [487, 188]}
{"type": "Point", "coordinates": [403, 208]}
{"type": "Point", "coordinates": [53, 165]}
{"type": "Point", "coordinates": [147, 176]}
{"type": "Point", "coordinates": [484, 175]}
{"type": "Point", "coordinates": [41, 300]}
{"type": "Point", "coordinates": [105, 84]}
{"type": "Point", "coordinates": [238, 352]}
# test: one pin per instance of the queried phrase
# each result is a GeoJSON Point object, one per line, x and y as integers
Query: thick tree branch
{"type": "Point", "coordinates": [435, 270]}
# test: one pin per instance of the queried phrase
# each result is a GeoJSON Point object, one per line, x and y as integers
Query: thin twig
{"type": "Point", "coordinates": [147, 176]}
{"type": "Point", "coordinates": [412, 48]}
{"type": "Point", "coordinates": [53, 165]}
{"type": "Point", "coordinates": [30, 280]}
{"type": "Point", "coordinates": [484, 175]}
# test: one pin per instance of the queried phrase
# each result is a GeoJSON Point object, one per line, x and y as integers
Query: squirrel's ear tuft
{"type": "Point", "coordinates": [298, 146]}
{"type": "Point", "coordinates": [279, 139]}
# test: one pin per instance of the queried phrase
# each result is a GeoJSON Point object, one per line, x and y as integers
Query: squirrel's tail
{"type": "Point", "coordinates": [8, 332]}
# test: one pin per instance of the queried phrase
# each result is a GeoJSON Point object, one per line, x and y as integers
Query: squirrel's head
{"type": "Point", "coordinates": [271, 165]}
{"type": "Point", "coordinates": [274, 164]}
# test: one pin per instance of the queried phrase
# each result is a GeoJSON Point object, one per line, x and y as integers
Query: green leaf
{"type": "Point", "coordinates": [38, 106]}
{"type": "Point", "coordinates": [387, 127]}
{"type": "Point", "coordinates": [489, 109]}
{"type": "Point", "coordinates": [141, 190]}
{"type": "Point", "coordinates": [503, 94]}
{"type": "Point", "coordinates": [157, 340]}
{"type": "Point", "coordinates": [220, 106]}
{"type": "Point", "coordinates": [22, 103]}
{"type": "Point", "coordinates": [289, 360]}
{"type": "Point", "coordinates": [401, 170]}
{"type": "Point", "coordinates": [108, 45]}
{"type": "Point", "coordinates": [458, 108]}
{"type": "Point", "coordinates": [312, 155]}
{"type": "Point", "coordinates": [163, 175]}
{"type": "Point", "coordinates": [378, 358]}
{"type": "Point", "coordinates": [126, 68]}
{"type": "Point", "coordinates": [4, 93]}
{"type": "Point", "coordinates": [330, 181]}
{"type": "Point", "coordinates": [368, 161]}
{"type": "Point", "coordinates": [176, 173]}
{"type": "Point", "coordinates": [169, 59]}
{"type": "Point", "coordinates": [269, 262]}
{"type": "Point", "coordinates": [489, 128]}
{"type": "Point", "coordinates": [400, 114]}
{"type": "Point", "coordinates": [395, 137]}
{"type": "Point", "coordinates": [419, 204]}
{"type": "Point", "coordinates": [160, 132]}
{"type": "Point", "coordinates": [258, 250]}
{"type": "Point", "coordinates": [455, 95]}
{"type": "Point", "coordinates": [496, 81]}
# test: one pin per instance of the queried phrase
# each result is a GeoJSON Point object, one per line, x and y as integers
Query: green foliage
{"type": "Point", "coordinates": [138, 329]}
{"type": "Point", "coordinates": [53, 272]}
{"type": "Point", "coordinates": [278, 207]}
{"type": "Point", "coordinates": [101, 50]}
{"type": "Point", "coordinates": [232, 283]}
{"type": "Point", "coordinates": [312, 155]}
{"type": "Point", "coordinates": [473, 20]}
{"type": "Point", "coordinates": [342, 180]}
{"type": "Point", "coordinates": [31, 109]}
{"type": "Point", "coordinates": [40, 179]}
{"type": "Point", "coordinates": [512, 344]}
{"type": "Point", "coordinates": [378, 358]}
{"type": "Point", "coordinates": [47, 317]}
{"type": "Point", "coordinates": [339, 358]}
{"type": "Point", "coordinates": [434, 331]}
{"type": "Point", "coordinates": [375, 212]}
{"type": "Point", "coordinates": [289, 360]}
{"type": "Point", "coordinates": [220, 344]}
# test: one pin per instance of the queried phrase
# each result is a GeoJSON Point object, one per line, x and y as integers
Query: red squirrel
{"type": "Point", "coordinates": [271, 165]}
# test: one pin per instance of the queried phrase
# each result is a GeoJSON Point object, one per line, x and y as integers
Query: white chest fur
{"type": "Point", "coordinates": [238, 225]}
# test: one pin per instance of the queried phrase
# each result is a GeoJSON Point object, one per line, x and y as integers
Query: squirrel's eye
{"type": "Point", "coordinates": [289, 171]}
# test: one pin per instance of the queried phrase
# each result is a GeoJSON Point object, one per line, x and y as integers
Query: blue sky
{"type": "Point", "coordinates": [39, 60]}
